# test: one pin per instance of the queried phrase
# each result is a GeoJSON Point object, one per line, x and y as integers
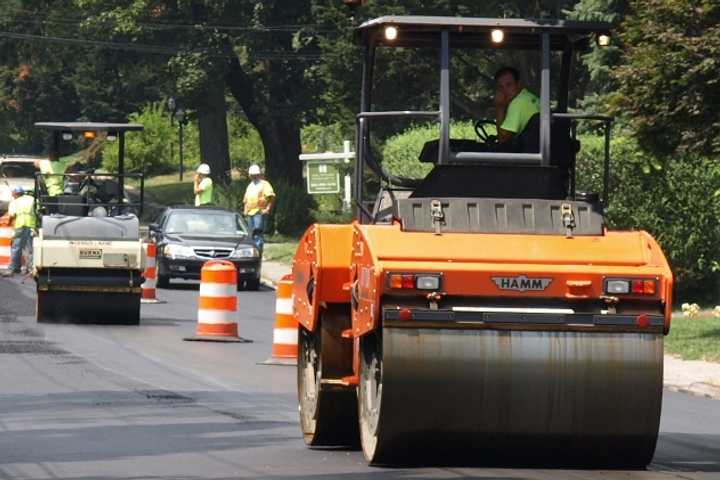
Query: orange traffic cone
{"type": "Point", "coordinates": [285, 331]}
{"type": "Point", "coordinates": [149, 294]}
{"type": "Point", "coordinates": [6, 237]}
{"type": "Point", "coordinates": [217, 304]}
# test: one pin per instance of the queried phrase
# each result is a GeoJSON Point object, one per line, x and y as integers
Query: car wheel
{"type": "Point", "coordinates": [253, 284]}
{"type": "Point", "coordinates": [163, 281]}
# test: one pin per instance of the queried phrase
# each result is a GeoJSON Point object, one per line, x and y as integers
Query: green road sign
{"type": "Point", "coordinates": [323, 178]}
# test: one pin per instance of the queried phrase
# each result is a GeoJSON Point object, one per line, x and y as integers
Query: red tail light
{"type": "Point", "coordinates": [405, 314]}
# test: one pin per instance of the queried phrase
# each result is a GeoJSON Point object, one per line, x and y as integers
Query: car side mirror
{"type": "Point", "coordinates": [154, 227]}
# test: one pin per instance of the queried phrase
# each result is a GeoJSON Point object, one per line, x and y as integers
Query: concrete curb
{"type": "Point", "coordinates": [268, 283]}
{"type": "Point", "coordinates": [699, 389]}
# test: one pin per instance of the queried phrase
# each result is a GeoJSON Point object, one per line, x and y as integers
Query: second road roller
{"type": "Point", "coordinates": [88, 255]}
{"type": "Point", "coordinates": [480, 307]}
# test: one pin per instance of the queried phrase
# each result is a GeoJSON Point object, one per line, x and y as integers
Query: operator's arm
{"type": "Point", "coordinates": [11, 211]}
{"type": "Point", "coordinates": [270, 202]}
{"type": "Point", "coordinates": [501, 108]}
{"type": "Point", "coordinates": [269, 194]}
{"type": "Point", "coordinates": [196, 184]}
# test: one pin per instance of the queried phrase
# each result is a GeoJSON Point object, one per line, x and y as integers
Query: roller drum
{"type": "Point", "coordinates": [542, 397]}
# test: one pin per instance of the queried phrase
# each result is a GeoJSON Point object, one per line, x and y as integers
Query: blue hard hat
{"type": "Point", "coordinates": [19, 190]}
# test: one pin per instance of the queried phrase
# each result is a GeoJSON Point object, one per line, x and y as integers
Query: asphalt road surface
{"type": "Point", "coordinates": [80, 402]}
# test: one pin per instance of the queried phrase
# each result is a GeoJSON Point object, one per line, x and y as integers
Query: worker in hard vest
{"type": "Point", "coordinates": [53, 169]}
{"type": "Point", "coordinates": [203, 185]}
{"type": "Point", "coordinates": [22, 215]}
{"type": "Point", "coordinates": [258, 201]}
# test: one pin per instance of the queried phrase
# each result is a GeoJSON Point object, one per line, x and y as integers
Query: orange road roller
{"type": "Point", "coordinates": [481, 310]}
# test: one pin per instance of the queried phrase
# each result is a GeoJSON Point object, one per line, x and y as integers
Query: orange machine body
{"type": "Point", "coordinates": [351, 264]}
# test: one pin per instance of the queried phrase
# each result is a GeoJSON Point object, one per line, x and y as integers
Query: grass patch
{"type": "Point", "coordinates": [694, 338]}
{"type": "Point", "coordinates": [280, 252]}
{"type": "Point", "coordinates": [171, 193]}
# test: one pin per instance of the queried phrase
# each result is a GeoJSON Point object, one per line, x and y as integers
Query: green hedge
{"type": "Point", "coordinates": [676, 201]}
{"type": "Point", "coordinates": [400, 152]}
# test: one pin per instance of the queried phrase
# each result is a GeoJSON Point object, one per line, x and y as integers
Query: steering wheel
{"type": "Point", "coordinates": [85, 178]}
{"type": "Point", "coordinates": [483, 134]}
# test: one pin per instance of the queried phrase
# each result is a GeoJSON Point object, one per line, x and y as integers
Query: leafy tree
{"type": "Point", "coordinates": [149, 151]}
{"type": "Point", "coordinates": [669, 80]}
{"type": "Point", "coordinates": [47, 73]}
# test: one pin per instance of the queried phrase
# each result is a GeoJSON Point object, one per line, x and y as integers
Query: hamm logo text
{"type": "Point", "coordinates": [521, 283]}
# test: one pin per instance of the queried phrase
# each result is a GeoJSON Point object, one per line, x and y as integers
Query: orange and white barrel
{"type": "Point", "coordinates": [150, 275]}
{"type": "Point", "coordinates": [6, 238]}
{"type": "Point", "coordinates": [285, 331]}
{"type": "Point", "coordinates": [217, 303]}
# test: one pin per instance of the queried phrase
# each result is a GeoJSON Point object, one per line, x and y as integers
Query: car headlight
{"type": "Point", "coordinates": [245, 252]}
{"type": "Point", "coordinates": [178, 251]}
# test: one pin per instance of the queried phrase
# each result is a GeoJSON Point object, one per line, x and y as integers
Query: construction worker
{"type": "Point", "coordinates": [53, 170]}
{"type": "Point", "coordinates": [257, 203]}
{"type": "Point", "coordinates": [203, 185]}
{"type": "Point", "coordinates": [514, 105]}
{"type": "Point", "coordinates": [22, 215]}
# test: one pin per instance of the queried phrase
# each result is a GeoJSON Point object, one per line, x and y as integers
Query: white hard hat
{"type": "Point", "coordinates": [254, 170]}
{"type": "Point", "coordinates": [204, 169]}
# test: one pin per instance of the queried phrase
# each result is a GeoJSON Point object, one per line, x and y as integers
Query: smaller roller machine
{"type": "Point", "coordinates": [89, 257]}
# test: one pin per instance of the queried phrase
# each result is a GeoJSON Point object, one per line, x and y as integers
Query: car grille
{"type": "Point", "coordinates": [208, 252]}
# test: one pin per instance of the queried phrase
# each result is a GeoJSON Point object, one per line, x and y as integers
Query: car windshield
{"type": "Point", "coordinates": [17, 170]}
{"type": "Point", "coordinates": [208, 223]}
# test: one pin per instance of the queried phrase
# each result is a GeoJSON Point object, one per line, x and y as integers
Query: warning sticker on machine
{"type": "Point", "coordinates": [90, 253]}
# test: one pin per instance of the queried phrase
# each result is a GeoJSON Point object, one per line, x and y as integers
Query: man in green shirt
{"type": "Point", "coordinates": [52, 169]}
{"type": "Point", "coordinates": [514, 105]}
{"type": "Point", "coordinates": [22, 214]}
{"type": "Point", "coordinates": [203, 186]}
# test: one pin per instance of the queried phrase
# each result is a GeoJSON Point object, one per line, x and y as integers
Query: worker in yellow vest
{"type": "Point", "coordinates": [53, 169]}
{"type": "Point", "coordinates": [203, 185]}
{"type": "Point", "coordinates": [258, 201]}
{"type": "Point", "coordinates": [22, 214]}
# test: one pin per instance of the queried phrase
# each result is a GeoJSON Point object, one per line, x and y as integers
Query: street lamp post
{"type": "Point", "coordinates": [178, 113]}
{"type": "Point", "coordinates": [180, 117]}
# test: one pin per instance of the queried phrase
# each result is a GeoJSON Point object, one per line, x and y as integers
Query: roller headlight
{"type": "Point", "coordinates": [245, 252]}
{"type": "Point", "coordinates": [174, 251]}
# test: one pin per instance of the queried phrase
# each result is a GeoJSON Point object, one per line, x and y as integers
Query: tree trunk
{"type": "Point", "coordinates": [212, 122]}
{"type": "Point", "coordinates": [279, 132]}
{"type": "Point", "coordinates": [281, 142]}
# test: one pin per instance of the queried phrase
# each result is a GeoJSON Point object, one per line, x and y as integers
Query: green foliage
{"type": "Point", "coordinates": [230, 196]}
{"type": "Point", "coordinates": [291, 214]}
{"type": "Point", "coordinates": [246, 146]}
{"type": "Point", "coordinates": [669, 82]}
{"type": "Point", "coordinates": [325, 138]}
{"type": "Point", "coordinates": [676, 204]}
{"type": "Point", "coordinates": [400, 153]}
{"type": "Point", "coordinates": [329, 210]}
{"type": "Point", "coordinates": [149, 151]}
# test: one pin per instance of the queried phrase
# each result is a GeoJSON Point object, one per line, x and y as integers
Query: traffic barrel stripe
{"type": "Point", "coordinates": [6, 236]}
{"type": "Point", "coordinates": [285, 329]}
{"type": "Point", "coordinates": [217, 303]}
{"type": "Point", "coordinates": [219, 276]}
{"type": "Point", "coordinates": [150, 274]}
{"type": "Point", "coordinates": [218, 289]}
{"type": "Point", "coordinates": [284, 306]}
